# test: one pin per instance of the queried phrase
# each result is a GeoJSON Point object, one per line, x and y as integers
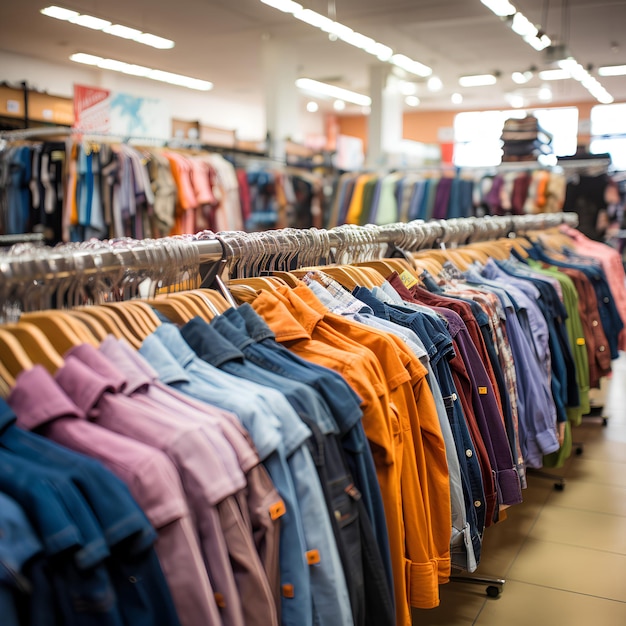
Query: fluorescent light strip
{"type": "Point", "coordinates": [477, 80]}
{"type": "Point", "coordinates": [347, 35]}
{"type": "Point", "coordinates": [411, 66]}
{"type": "Point", "coordinates": [589, 82]}
{"type": "Point", "coordinates": [286, 6]}
{"type": "Point", "coordinates": [519, 23]}
{"type": "Point", "coordinates": [502, 8]}
{"type": "Point", "coordinates": [141, 71]}
{"type": "Point", "coordinates": [117, 30]}
{"type": "Point", "coordinates": [553, 75]}
{"type": "Point", "coordinates": [324, 89]}
{"type": "Point", "coordinates": [612, 70]}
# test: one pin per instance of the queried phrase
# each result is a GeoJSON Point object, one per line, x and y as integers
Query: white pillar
{"type": "Point", "coordinates": [280, 72]}
{"type": "Point", "coordinates": [385, 120]}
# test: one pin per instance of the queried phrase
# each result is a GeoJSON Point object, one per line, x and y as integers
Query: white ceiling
{"type": "Point", "coordinates": [220, 41]}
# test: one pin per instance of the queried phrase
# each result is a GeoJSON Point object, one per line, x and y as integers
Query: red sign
{"type": "Point", "coordinates": [92, 109]}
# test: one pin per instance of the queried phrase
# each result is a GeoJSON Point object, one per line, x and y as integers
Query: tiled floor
{"type": "Point", "coordinates": [562, 553]}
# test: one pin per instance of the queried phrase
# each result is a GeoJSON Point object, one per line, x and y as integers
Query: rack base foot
{"type": "Point", "coordinates": [493, 586]}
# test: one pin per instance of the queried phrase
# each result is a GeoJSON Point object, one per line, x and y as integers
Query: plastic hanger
{"type": "Point", "coordinates": [36, 345]}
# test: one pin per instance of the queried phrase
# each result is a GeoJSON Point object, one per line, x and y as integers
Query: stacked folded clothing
{"type": "Point", "coordinates": [524, 140]}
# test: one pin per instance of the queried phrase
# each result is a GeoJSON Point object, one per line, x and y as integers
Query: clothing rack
{"type": "Point", "coordinates": [132, 256]}
{"type": "Point", "coordinates": [171, 260]}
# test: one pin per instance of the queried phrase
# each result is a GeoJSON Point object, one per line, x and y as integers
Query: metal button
{"type": "Point", "coordinates": [132, 579]}
{"type": "Point", "coordinates": [477, 503]}
{"type": "Point", "coordinates": [602, 348]}
{"type": "Point", "coordinates": [606, 299]}
{"type": "Point", "coordinates": [469, 453]}
{"type": "Point", "coordinates": [594, 323]}
{"type": "Point", "coordinates": [454, 397]}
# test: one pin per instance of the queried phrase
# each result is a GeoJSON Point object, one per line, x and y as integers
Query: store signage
{"type": "Point", "coordinates": [92, 109]}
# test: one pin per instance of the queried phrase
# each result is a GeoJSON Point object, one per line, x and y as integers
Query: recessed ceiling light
{"type": "Point", "coordinates": [545, 94]}
{"type": "Point", "coordinates": [412, 101]}
{"type": "Point", "coordinates": [477, 80]}
{"type": "Point", "coordinates": [521, 77]}
{"type": "Point", "coordinates": [456, 98]}
{"type": "Point", "coordinates": [339, 105]}
{"type": "Point", "coordinates": [516, 101]}
{"type": "Point", "coordinates": [312, 106]}
{"type": "Point", "coordinates": [434, 83]}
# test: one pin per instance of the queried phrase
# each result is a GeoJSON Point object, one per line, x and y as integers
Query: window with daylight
{"type": "Point", "coordinates": [608, 133]}
{"type": "Point", "coordinates": [477, 134]}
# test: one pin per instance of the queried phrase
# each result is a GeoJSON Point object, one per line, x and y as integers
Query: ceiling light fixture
{"type": "Point", "coordinates": [117, 30]}
{"type": "Point", "coordinates": [336, 30]}
{"type": "Point", "coordinates": [412, 101]}
{"type": "Point", "coordinates": [612, 70]}
{"type": "Point", "coordinates": [576, 71]}
{"type": "Point", "coordinates": [312, 106]}
{"type": "Point", "coordinates": [519, 23]}
{"type": "Point", "coordinates": [521, 78]}
{"type": "Point", "coordinates": [339, 105]}
{"type": "Point", "coordinates": [516, 101]}
{"type": "Point", "coordinates": [411, 66]}
{"type": "Point", "coordinates": [141, 71]}
{"type": "Point", "coordinates": [545, 94]}
{"type": "Point", "coordinates": [477, 80]}
{"type": "Point", "coordinates": [502, 8]}
{"type": "Point", "coordinates": [456, 98]}
{"type": "Point", "coordinates": [434, 84]}
{"type": "Point", "coordinates": [332, 91]}
{"type": "Point", "coordinates": [553, 75]}
{"type": "Point", "coordinates": [286, 6]}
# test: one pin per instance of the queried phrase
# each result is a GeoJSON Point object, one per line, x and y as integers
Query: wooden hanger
{"type": "Point", "coordinates": [218, 299]}
{"type": "Point", "coordinates": [7, 381]}
{"type": "Point", "coordinates": [95, 327]}
{"type": "Point", "coordinates": [243, 293]}
{"type": "Point", "coordinates": [131, 317]}
{"type": "Point", "coordinates": [36, 345]}
{"type": "Point", "coordinates": [14, 357]}
{"type": "Point", "coordinates": [64, 332]}
{"type": "Point", "coordinates": [143, 309]}
{"type": "Point", "coordinates": [288, 278]}
{"type": "Point", "coordinates": [172, 309]}
{"type": "Point", "coordinates": [114, 324]}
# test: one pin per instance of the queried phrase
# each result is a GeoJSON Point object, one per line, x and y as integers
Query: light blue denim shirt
{"type": "Point", "coordinates": [209, 385]}
{"type": "Point", "coordinates": [328, 588]}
